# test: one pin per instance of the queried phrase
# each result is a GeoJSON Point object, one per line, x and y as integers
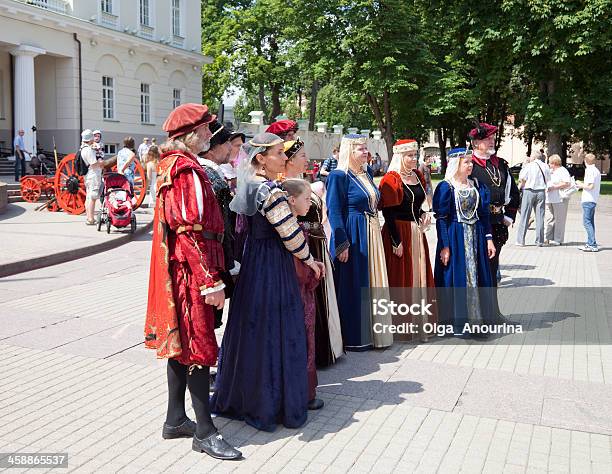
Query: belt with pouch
{"type": "Point", "coordinates": [198, 228]}
{"type": "Point", "coordinates": [495, 209]}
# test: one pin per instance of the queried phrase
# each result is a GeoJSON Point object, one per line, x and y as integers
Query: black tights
{"type": "Point", "coordinates": [198, 382]}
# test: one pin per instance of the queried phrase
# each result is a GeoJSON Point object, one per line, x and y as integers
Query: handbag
{"type": "Point", "coordinates": [565, 193]}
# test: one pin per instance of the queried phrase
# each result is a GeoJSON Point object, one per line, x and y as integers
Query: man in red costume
{"type": "Point", "coordinates": [286, 129]}
{"type": "Point", "coordinates": [184, 282]}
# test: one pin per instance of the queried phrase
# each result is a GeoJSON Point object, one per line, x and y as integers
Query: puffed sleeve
{"type": "Point", "coordinates": [443, 212]}
{"type": "Point", "coordinates": [484, 213]}
{"type": "Point", "coordinates": [276, 209]}
{"type": "Point", "coordinates": [391, 195]}
{"type": "Point", "coordinates": [337, 210]}
{"type": "Point", "coordinates": [184, 208]}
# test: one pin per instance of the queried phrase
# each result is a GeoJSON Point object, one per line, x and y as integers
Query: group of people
{"type": "Point", "coordinates": [546, 189]}
{"type": "Point", "coordinates": [93, 156]}
{"type": "Point", "coordinates": [299, 260]}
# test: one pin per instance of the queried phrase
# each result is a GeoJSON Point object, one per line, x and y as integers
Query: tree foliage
{"type": "Point", "coordinates": [409, 66]}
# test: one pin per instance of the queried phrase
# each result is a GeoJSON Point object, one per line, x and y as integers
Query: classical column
{"type": "Point", "coordinates": [25, 92]}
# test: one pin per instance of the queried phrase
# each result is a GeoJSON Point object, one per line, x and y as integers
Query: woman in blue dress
{"type": "Point", "coordinates": [465, 244]}
{"type": "Point", "coordinates": [262, 375]}
{"type": "Point", "coordinates": [356, 247]}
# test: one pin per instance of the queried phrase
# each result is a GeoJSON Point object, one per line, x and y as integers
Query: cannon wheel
{"type": "Point", "coordinates": [140, 183]}
{"type": "Point", "coordinates": [69, 186]}
{"type": "Point", "coordinates": [31, 189]}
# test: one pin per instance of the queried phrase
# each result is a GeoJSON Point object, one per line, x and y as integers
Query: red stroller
{"type": "Point", "coordinates": [117, 204]}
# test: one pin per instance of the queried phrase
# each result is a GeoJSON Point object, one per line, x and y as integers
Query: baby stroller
{"type": "Point", "coordinates": [117, 204]}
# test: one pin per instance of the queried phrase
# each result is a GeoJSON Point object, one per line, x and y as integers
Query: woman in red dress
{"type": "Point", "coordinates": [403, 192]}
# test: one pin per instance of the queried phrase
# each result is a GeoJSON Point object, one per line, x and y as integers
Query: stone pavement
{"type": "Point", "coordinates": [33, 239]}
{"type": "Point", "coordinates": [77, 379]}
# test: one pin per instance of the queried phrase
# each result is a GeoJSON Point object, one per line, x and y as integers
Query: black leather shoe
{"type": "Point", "coordinates": [216, 447]}
{"type": "Point", "coordinates": [184, 430]}
{"type": "Point", "coordinates": [315, 404]}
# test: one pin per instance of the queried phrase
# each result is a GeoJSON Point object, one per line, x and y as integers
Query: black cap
{"type": "Point", "coordinates": [220, 134]}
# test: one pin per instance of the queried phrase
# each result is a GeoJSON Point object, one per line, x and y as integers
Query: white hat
{"type": "Point", "coordinates": [97, 132]}
{"type": "Point", "coordinates": [86, 135]}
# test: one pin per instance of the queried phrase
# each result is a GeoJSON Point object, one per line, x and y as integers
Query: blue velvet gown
{"type": "Point", "coordinates": [349, 208]}
{"type": "Point", "coordinates": [262, 377]}
{"type": "Point", "coordinates": [468, 265]}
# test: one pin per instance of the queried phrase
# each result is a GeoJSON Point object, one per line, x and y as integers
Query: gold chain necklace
{"type": "Point", "coordinates": [417, 222]}
{"type": "Point", "coordinates": [495, 175]}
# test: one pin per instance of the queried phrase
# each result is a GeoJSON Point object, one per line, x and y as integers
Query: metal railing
{"type": "Point", "coordinates": [109, 20]}
{"type": "Point", "coordinates": [59, 6]}
{"type": "Point", "coordinates": [178, 41]}
{"type": "Point", "coordinates": [146, 31]}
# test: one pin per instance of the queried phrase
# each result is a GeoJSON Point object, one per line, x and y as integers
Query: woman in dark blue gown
{"type": "Point", "coordinates": [262, 375]}
{"type": "Point", "coordinates": [465, 245]}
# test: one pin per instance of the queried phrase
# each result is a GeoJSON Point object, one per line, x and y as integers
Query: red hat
{"type": "Point", "coordinates": [404, 145]}
{"type": "Point", "coordinates": [281, 127]}
{"type": "Point", "coordinates": [482, 131]}
{"type": "Point", "coordinates": [186, 118]}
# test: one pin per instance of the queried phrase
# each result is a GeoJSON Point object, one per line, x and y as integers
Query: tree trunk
{"type": "Point", "coordinates": [563, 153]}
{"type": "Point", "coordinates": [451, 136]}
{"type": "Point", "coordinates": [442, 147]}
{"type": "Point", "coordinates": [529, 142]}
{"type": "Point", "coordinates": [262, 102]}
{"type": "Point", "coordinates": [385, 127]}
{"type": "Point", "coordinates": [314, 91]}
{"type": "Point", "coordinates": [388, 130]}
{"type": "Point", "coordinates": [276, 105]}
{"type": "Point", "coordinates": [553, 141]}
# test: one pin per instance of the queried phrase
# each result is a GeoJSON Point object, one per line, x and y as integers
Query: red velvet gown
{"type": "Point", "coordinates": [401, 207]}
{"type": "Point", "coordinates": [185, 260]}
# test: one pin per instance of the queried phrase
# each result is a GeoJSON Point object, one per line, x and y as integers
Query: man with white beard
{"type": "Point", "coordinates": [494, 172]}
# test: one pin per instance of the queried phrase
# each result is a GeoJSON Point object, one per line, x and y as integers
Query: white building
{"type": "Point", "coordinates": [115, 65]}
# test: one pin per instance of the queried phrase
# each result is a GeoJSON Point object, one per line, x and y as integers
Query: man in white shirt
{"type": "Point", "coordinates": [93, 178]}
{"type": "Point", "coordinates": [534, 179]}
{"type": "Point", "coordinates": [590, 195]}
{"type": "Point", "coordinates": [143, 149]}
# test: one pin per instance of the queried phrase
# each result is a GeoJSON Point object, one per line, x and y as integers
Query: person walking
{"type": "Point", "coordinates": [556, 202]}
{"type": "Point", "coordinates": [151, 164]}
{"type": "Point", "coordinates": [329, 165]}
{"type": "Point", "coordinates": [20, 159]}
{"type": "Point", "coordinates": [126, 157]}
{"type": "Point", "coordinates": [93, 178]}
{"type": "Point", "coordinates": [143, 148]}
{"type": "Point", "coordinates": [590, 195]}
{"type": "Point", "coordinates": [534, 178]}
{"type": "Point", "coordinates": [184, 281]}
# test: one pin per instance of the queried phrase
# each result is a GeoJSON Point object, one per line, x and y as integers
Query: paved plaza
{"type": "Point", "coordinates": [76, 379]}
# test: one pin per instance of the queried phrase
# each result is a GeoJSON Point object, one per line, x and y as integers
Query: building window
{"type": "Point", "coordinates": [107, 6]}
{"type": "Point", "coordinates": [176, 17]}
{"type": "Point", "coordinates": [110, 148]}
{"type": "Point", "coordinates": [176, 98]}
{"type": "Point", "coordinates": [145, 17]}
{"type": "Point", "coordinates": [145, 103]}
{"type": "Point", "coordinates": [108, 97]}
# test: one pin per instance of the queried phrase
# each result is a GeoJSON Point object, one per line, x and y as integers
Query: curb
{"type": "Point", "coordinates": [68, 255]}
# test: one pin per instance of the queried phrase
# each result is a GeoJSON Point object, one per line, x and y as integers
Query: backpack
{"type": "Point", "coordinates": [80, 166]}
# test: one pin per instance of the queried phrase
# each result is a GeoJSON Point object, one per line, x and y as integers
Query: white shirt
{"type": "Point", "coordinates": [560, 175]}
{"type": "Point", "coordinates": [143, 149]}
{"type": "Point", "coordinates": [89, 156]}
{"type": "Point", "coordinates": [591, 176]}
{"type": "Point", "coordinates": [536, 175]}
